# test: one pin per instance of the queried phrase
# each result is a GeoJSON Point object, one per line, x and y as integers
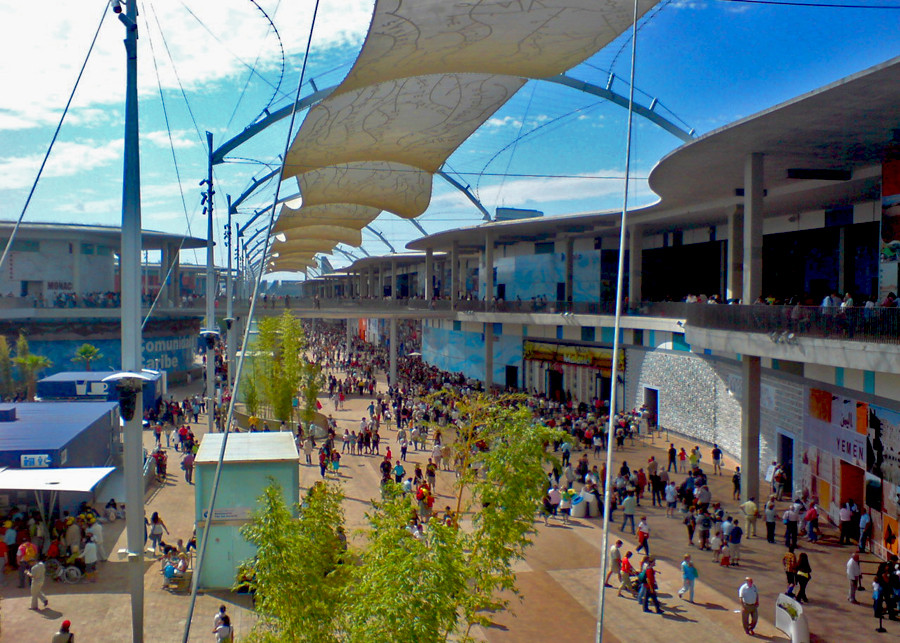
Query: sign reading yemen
{"type": "Point", "coordinates": [593, 356]}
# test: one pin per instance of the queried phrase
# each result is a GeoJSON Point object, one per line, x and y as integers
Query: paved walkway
{"type": "Point", "coordinates": [558, 580]}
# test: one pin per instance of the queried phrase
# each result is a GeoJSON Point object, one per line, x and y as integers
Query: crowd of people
{"type": "Point", "coordinates": [679, 487]}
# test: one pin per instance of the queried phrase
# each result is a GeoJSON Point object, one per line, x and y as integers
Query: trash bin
{"type": "Point", "coordinates": [790, 619]}
{"type": "Point", "coordinates": [579, 507]}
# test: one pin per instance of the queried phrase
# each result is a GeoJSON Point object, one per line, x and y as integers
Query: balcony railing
{"type": "Point", "coordinates": [784, 324]}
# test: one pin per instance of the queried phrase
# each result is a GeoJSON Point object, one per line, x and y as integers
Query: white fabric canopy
{"type": "Point", "coordinates": [430, 73]}
{"type": "Point", "coordinates": [62, 479]}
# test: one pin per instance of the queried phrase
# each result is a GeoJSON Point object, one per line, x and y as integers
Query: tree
{"type": "Point", "coordinates": [279, 354]}
{"type": "Point", "coordinates": [7, 386]}
{"type": "Point", "coordinates": [251, 393]}
{"type": "Point", "coordinates": [395, 586]}
{"type": "Point", "coordinates": [29, 365]}
{"type": "Point", "coordinates": [86, 354]}
{"type": "Point", "coordinates": [301, 560]}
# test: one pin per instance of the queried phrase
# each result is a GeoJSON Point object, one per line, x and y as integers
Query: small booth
{"type": "Point", "coordinates": [251, 462]}
{"type": "Point", "coordinates": [88, 386]}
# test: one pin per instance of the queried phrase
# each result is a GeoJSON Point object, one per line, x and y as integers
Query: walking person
{"type": "Point", "coordinates": [649, 587]}
{"type": "Point", "coordinates": [736, 484]}
{"type": "Point", "coordinates": [804, 574]}
{"type": "Point", "coordinates": [717, 460]}
{"type": "Point", "coordinates": [771, 515]}
{"type": "Point", "coordinates": [187, 463]}
{"type": "Point", "coordinates": [789, 563]}
{"type": "Point", "coordinates": [790, 519]}
{"type": "Point", "coordinates": [615, 563]}
{"type": "Point", "coordinates": [643, 535]}
{"type": "Point", "coordinates": [37, 574]}
{"type": "Point", "coordinates": [689, 574]}
{"type": "Point", "coordinates": [673, 454]}
{"type": "Point", "coordinates": [629, 505]}
{"type": "Point", "coordinates": [854, 574]}
{"type": "Point", "coordinates": [749, 595]}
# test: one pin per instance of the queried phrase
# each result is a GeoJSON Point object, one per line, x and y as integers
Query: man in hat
{"type": "Point", "coordinates": [64, 635]}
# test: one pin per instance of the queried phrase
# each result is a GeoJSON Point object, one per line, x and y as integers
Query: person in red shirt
{"type": "Point", "coordinates": [650, 587]}
{"type": "Point", "coordinates": [627, 572]}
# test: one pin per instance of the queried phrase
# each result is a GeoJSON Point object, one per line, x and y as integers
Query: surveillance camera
{"type": "Point", "coordinates": [117, 6]}
{"type": "Point", "coordinates": [210, 336]}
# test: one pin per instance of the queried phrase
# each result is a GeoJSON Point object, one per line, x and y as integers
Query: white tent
{"type": "Point", "coordinates": [82, 479]}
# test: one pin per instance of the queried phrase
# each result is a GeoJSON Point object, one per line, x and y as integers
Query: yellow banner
{"type": "Point", "coordinates": [592, 356]}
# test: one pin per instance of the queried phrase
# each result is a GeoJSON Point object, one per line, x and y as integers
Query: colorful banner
{"type": "Point", "coordinates": [593, 356]}
{"type": "Point", "coordinates": [830, 426]}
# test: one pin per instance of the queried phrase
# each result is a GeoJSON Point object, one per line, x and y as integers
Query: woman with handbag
{"type": "Point", "coordinates": [804, 574]}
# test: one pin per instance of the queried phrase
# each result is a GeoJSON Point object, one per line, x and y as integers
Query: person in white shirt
{"type": "Point", "coordinates": [853, 574]}
{"type": "Point", "coordinates": [615, 562]}
{"type": "Point", "coordinates": [90, 559]}
{"type": "Point", "coordinates": [749, 595]}
{"type": "Point", "coordinates": [671, 499]}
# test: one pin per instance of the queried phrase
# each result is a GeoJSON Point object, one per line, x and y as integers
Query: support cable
{"type": "Point", "coordinates": [165, 111]}
{"type": "Point", "coordinates": [201, 552]}
{"type": "Point", "coordinates": [607, 496]}
{"type": "Point", "coordinates": [62, 118]}
{"type": "Point", "coordinates": [177, 77]}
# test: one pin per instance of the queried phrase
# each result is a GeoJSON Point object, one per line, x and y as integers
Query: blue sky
{"type": "Point", "coordinates": [707, 62]}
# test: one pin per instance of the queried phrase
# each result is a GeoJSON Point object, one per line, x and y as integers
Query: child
{"type": "Point", "coordinates": [716, 545]}
{"type": "Point", "coordinates": [725, 559]}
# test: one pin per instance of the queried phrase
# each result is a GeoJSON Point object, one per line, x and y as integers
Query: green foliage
{"type": "Point", "coordinates": [250, 391]}
{"type": "Point", "coordinates": [397, 587]}
{"type": "Point", "coordinates": [279, 348]}
{"type": "Point", "coordinates": [311, 385]}
{"type": "Point", "coordinates": [29, 365]}
{"type": "Point", "coordinates": [7, 387]}
{"type": "Point", "coordinates": [298, 574]}
{"type": "Point", "coordinates": [405, 589]}
{"type": "Point", "coordinates": [86, 354]}
{"type": "Point", "coordinates": [502, 486]}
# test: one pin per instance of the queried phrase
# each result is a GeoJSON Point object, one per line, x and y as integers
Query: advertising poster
{"type": "Point", "coordinates": [883, 444]}
{"type": "Point", "coordinates": [830, 425]}
{"type": "Point", "coordinates": [890, 224]}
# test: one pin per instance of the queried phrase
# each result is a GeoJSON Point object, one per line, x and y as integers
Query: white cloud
{"type": "Point", "coordinates": [67, 159]}
{"type": "Point", "coordinates": [506, 121]}
{"type": "Point", "coordinates": [44, 48]}
{"type": "Point", "coordinates": [181, 139]}
{"type": "Point", "coordinates": [531, 191]}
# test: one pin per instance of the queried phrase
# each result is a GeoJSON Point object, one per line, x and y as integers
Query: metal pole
{"type": "Point", "coordinates": [229, 305]}
{"type": "Point", "coordinates": [210, 296]}
{"type": "Point", "coordinates": [604, 552]}
{"type": "Point", "coordinates": [130, 291]}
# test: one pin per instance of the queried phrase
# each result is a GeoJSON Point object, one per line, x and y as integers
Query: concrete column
{"type": "Point", "coordinates": [842, 260]}
{"type": "Point", "coordinates": [175, 283]}
{"type": "Point", "coordinates": [635, 265]}
{"type": "Point", "coordinates": [488, 271]}
{"type": "Point", "coordinates": [454, 275]}
{"type": "Point", "coordinates": [350, 333]}
{"type": "Point", "coordinates": [76, 268]}
{"type": "Point", "coordinates": [753, 226]}
{"type": "Point", "coordinates": [735, 287]}
{"type": "Point", "coordinates": [429, 274]}
{"type": "Point", "coordinates": [393, 352]}
{"type": "Point", "coordinates": [570, 268]}
{"type": "Point", "coordinates": [488, 356]}
{"type": "Point", "coordinates": [394, 279]}
{"type": "Point", "coordinates": [750, 419]}
{"type": "Point", "coordinates": [165, 260]}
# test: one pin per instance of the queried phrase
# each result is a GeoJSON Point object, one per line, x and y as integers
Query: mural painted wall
{"type": "Point", "coordinates": [528, 276]}
{"type": "Point", "coordinates": [168, 344]}
{"type": "Point", "coordinates": [460, 351]}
